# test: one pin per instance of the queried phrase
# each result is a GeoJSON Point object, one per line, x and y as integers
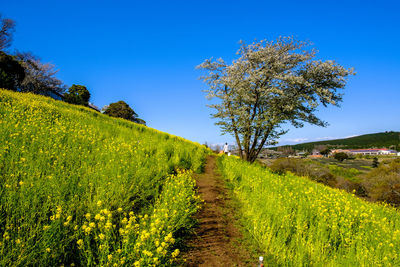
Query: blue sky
{"type": "Point", "coordinates": [145, 53]}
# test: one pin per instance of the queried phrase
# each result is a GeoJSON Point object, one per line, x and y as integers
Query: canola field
{"type": "Point", "coordinates": [79, 188]}
{"type": "Point", "coordinates": [297, 222]}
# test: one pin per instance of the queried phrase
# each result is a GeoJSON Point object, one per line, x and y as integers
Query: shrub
{"type": "Point", "coordinates": [375, 163]}
{"type": "Point", "coordinates": [383, 182]}
{"type": "Point", "coordinates": [341, 156]}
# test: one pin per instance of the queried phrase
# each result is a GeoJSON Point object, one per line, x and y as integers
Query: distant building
{"type": "Point", "coordinates": [315, 152]}
{"type": "Point", "coordinates": [371, 151]}
{"type": "Point", "coordinates": [92, 106]}
{"type": "Point", "coordinates": [53, 94]}
{"type": "Point", "coordinates": [302, 153]}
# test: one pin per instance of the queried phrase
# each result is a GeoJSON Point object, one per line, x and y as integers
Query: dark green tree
{"type": "Point", "coordinates": [11, 72]}
{"type": "Point", "coordinates": [375, 163]}
{"type": "Point", "coordinates": [77, 94]}
{"type": "Point", "coordinates": [325, 152]}
{"type": "Point", "coordinates": [341, 156]}
{"type": "Point", "coordinates": [121, 109]}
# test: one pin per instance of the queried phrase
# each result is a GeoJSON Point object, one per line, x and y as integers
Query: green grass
{"type": "Point", "coordinates": [358, 164]}
{"type": "Point", "coordinates": [297, 222]}
{"type": "Point", "coordinates": [78, 187]}
{"type": "Point", "coordinates": [347, 173]}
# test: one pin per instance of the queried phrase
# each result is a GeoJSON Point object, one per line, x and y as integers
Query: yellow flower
{"type": "Point", "coordinates": [87, 215]}
{"type": "Point", "coordinates": [109, 257]}
{"type": "Point", "coordinates": [108, 225]}
{"type": "Point", "coordinates": [48, 250]}
{"type": "Point", "coordinates": [80, 243]}
{"type": "Point", "coordinates": [99, 203]}
{"type": "Point", "coordinates": [101, 236]}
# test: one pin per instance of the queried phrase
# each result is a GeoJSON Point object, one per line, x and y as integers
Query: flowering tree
{"type": "Point", "coordinates": [269, 85]}
{"type": "Point", "coordinates": [39, 77]}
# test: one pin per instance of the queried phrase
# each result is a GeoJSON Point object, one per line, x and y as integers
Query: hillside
{"type": "Point", "coordinates": [297, 222]}
{"type": "Point", "coordinates": [81, 188]}
{"type": "Point", "coordinates": [375, 140]}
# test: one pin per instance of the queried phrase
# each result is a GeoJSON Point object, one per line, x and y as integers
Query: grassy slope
{"type": "Point", "coordinates": [62, 165]}
{"type": "Point", "coordinates": [297, 222]}
{"type": "Point", "coordinates": [376, 140]}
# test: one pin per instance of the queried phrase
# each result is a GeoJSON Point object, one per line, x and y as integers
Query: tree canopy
{"type": "Point", "coordinates": [11, 72]}
{"type": "Point", "coordinates": [271, 84]}
{"type": "Point", "coordinates": [78, 95]}
{"type": "Point", "coordinates": [121, 109]}
{"type": "Point", "coordinates": [340, 156]}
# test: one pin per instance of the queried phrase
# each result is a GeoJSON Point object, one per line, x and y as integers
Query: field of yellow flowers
{"type": "Point", "coordinates": [297, 222]}
{"type": "Point", "coordinates": [81, 188]}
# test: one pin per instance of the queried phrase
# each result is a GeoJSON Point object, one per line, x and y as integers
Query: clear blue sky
{"type": "Point", "coordinates": [145, 53]}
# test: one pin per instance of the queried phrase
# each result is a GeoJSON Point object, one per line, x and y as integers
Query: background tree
{"type": "Point", "coordinates": [286, 150]}
{"type": "Point", "coordinates": [271, 84]}
{"type": "Point", "coordinates": [11, 72]}
{"type": "Point", "coordinates": [375, 162]}
{"type": "Point", "coordinates": [121, 109]}
{"type": "Point", "coordinates": [341, 156]}
{"type": "Point", "coordinates": [325, 152]}
{"type": "Point", "coordinates": [39, 77]}
{"type": "Point", "coordinates": [78, 95]}
{"type": "Point", "coordinates": [7, 27]}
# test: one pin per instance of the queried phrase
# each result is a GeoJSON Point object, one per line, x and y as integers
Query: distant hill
{"type": "Point", "coordinates": [375, 140]}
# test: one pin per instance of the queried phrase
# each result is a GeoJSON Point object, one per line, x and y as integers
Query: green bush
{"type": "Point", "coordinates": [383, 182]}
{"type": "Point", "coordinates": [341, 156]}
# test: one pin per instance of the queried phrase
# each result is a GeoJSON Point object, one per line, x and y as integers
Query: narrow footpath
{"type": "Point", "coordinates": [216, 241]}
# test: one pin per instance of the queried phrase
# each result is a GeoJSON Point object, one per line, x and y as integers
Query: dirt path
{"type": "Point", "coordinates": [215, 238]}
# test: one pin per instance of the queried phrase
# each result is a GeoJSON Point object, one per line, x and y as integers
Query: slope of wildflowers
{"type": "Point", "coordinates": [81, 188]}
{"type": "Point", "coordinates": [301, 223]}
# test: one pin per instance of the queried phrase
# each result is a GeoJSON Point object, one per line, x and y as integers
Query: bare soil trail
{"type": "Point", "coordinates": [216, 242]}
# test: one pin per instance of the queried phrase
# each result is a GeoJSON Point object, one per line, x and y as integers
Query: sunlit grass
{"type": "Point", "coordinates": [78, 187]}
{"type": "Point", "coordinates": [302, 223]}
